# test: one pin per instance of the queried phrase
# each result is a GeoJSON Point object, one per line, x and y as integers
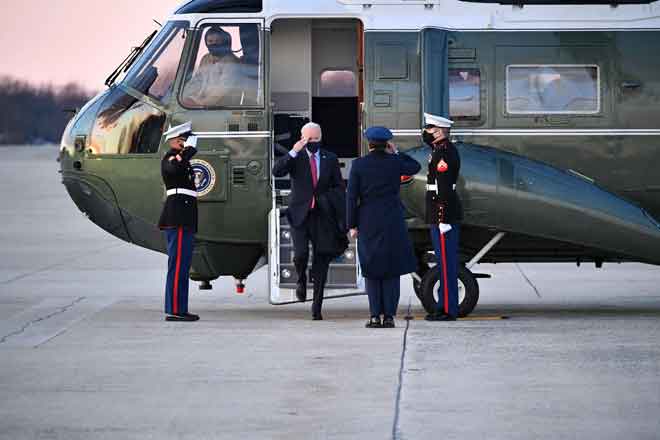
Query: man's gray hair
{"type": "Point", "coordinates": [312, 125]}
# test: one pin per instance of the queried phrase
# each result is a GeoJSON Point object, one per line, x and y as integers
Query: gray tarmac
{"type": "Point", "coordinates": [85, 354]}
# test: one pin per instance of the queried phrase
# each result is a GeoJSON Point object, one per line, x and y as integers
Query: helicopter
{"type": "Point", "coordinates": [556, 108]}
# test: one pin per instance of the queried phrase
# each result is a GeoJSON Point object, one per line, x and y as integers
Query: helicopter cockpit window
{"type": "Point", "coordinates": [464, 93]}
{"type": "Point", "coordinates": [155, 72]}
{"type": "Point", "coordinates": [226, 69]}
{"type": "Point", "coordinates": [552, 89]}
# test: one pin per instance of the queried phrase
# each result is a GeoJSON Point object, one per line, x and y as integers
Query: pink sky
{"type": "Point", "coordinates": [59, 41]}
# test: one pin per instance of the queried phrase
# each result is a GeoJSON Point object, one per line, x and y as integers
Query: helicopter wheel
{"type": "Point", "coordinates": [417, 283]}
{"type": "Point", "coordinates": [468, 290]}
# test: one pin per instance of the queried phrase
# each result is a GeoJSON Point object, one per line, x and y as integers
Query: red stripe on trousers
{"type": "Point", "coordinates": [444, 271]}
{"type": "Point", "coordinates": [175, 296]}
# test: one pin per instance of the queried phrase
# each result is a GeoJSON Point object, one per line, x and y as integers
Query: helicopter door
{"type": "Point", "coordinates": [313, 76]}
{"type": "Point", "coordinates": [435, 74]}
{"type": "Point", "coordinates": [392, 80]}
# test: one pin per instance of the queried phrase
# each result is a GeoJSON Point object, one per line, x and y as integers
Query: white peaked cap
{"type": "Point", "coordinates": [175, 132]}
{"type": "Point", "coordinates": [438, 121]}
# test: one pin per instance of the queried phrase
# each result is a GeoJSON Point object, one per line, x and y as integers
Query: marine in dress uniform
{"type": "Point", "coordinates": [443, 211]}
{"type": "Point", "coordinates": [314, 173]}
{"type": "Point", "coordinates": [179, 219]}
{"type": "Point", "coordinates": [376, 216]}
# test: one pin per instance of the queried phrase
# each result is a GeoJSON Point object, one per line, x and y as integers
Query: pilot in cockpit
{"type": "Point", "coordinates": [218, 42]}
{"type": "Point", "coordinates": [220, 79]}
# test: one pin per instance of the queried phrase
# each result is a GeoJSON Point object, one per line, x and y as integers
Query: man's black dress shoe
{"type": "Point", "coordinates": [439, 317]}
{"type": "Point", "coordinates": [374, 322]}
{"type": "Point", "coordinates": [184, 317]}
{"type": "Point", "coordinates": [317, 318]}
{"type": "Point", "coordinates": [301, 292]}
{"type": "Point", "coordinates": [388, 322]}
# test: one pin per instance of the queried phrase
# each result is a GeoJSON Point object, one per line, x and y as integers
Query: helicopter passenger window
{"type": "Point", "coordinates": [226, 68]}
{"type": "Point", "coordinates": [155, 73]}
{"type": "Point", "coordinates": [126, 125]}
{"type": "Point", "coordinates": [552, 89]}
{"type": "Point", "coordinates": [464, 93]}
{"type": "Point", "coordinates": [338, 83]}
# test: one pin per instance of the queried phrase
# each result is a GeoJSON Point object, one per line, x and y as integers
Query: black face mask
{"type": "Point", "coordinates": [219, 50]}
{"type": "Point", "coordinates": [428, 138]}
{"type": "Point", "coordinates": [313, 147]}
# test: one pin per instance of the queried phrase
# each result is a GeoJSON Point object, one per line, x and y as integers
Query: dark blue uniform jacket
{"type": "Point", "coordinates": [179, 209]}
{"type": "Point", "coordinates": [443, 204]}
{"type": "Point", "coordinates": [374, 207]}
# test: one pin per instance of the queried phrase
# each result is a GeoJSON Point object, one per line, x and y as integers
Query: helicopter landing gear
{"type": "Point", "coordinates": [427, 280]}
{"type": "Point", "coordinates": [468, 290]}
{"type": "Point", "coordinates": [205, 285]}
{"type": "Point", "coordinates": [240, 286]}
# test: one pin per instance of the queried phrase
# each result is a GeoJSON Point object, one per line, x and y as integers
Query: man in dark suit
{"type": "Point", "coordinates": [314, 172]}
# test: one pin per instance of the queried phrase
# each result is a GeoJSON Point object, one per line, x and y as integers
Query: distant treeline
{"type": "Point", "coordinates": [35, 114]}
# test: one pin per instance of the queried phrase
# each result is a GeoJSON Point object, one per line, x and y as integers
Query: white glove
{"type": "Point", "coordinates": [191, 142]}
{"type": "Point", "coordinates": [444, 228]}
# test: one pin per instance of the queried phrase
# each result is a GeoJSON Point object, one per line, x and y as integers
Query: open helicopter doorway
{"type": "Point", "coordinates": [315, 75]}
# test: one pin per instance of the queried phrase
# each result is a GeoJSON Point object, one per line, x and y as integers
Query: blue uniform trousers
{"type": "Point", "coordinates": [446, 254]}
{"type": "Point", "coordinates": [179, 250]}
{"type": "Point", "coordinates": [383, 296]}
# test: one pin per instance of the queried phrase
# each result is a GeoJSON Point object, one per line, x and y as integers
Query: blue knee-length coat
{"type": "Point", "coordinates": [374, 207]}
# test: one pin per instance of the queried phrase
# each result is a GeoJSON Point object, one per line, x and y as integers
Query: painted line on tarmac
{"type": "Point", "coordinates": [470, 318]}
{"type": "Point", "coordinates": [397, 402]}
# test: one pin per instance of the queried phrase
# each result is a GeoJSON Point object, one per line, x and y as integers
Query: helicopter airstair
{"type": "Point", "coordinates": [344, 278]}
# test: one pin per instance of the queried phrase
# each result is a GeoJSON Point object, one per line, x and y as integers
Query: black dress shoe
{"type": "Point", "coordinates": [388, 322]}
{"type": "Point", "coordinates": [374, 322]}
{"type": "Point", "coordinates": [446, 318]}
{"type": "Point", "coordinates": [183, 317]}
{"type": "Point", "coordinates": [439, 317]}
{"type": "Point", "coordinates": [301, 292]}
{"type": "Point", "coordinates": [317, 318]}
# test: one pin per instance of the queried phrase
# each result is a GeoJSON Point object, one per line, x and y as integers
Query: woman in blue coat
{"type": "Point", "coordinates": [375, 215]}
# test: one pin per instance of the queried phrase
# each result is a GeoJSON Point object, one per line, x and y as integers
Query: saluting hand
{"type": "Point", "coordinates": [353, 232]}
{"type": "Point", "coordinates": [300, 145]}
{"type": "Point", "coordinates": [391, 148]}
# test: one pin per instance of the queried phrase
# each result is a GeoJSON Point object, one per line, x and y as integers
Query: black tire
{"type": "Point", "coordinates": [422, 268]}
{"type": "Point", "coordinates": [428, 290]}
{"type": "Point", "coordinates": [417, 287]}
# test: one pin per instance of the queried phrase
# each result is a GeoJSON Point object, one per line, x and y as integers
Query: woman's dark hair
{"type": "Point", "coordinates": [377, 145]}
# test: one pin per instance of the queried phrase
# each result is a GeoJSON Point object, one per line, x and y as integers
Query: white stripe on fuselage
{"type": "Point", "coordinates": [539, 132]}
